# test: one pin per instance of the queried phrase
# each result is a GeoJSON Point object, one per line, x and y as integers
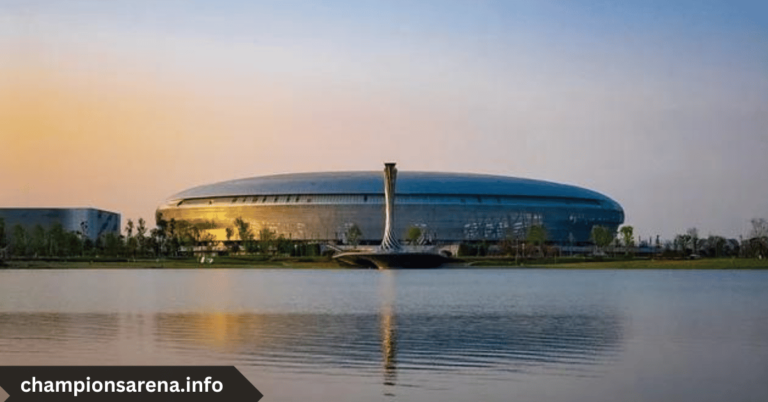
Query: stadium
{"type": "Point", "coordinates": [446, 207]}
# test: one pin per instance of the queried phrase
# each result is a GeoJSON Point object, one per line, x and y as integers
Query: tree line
{"type": "Point", "coordinates": [57, 242]}
{"type": "Point", "coordinates": [534, 242]}
{"type": "Point", "coordinates": [267, 242]}
{"type": "Point", "coordinates": [172, 238]}
{"type": "Point", "coordinates": [167, 239]}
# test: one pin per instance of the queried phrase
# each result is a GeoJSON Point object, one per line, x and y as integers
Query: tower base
{"type": "Point", "coordinates": [392, 260]}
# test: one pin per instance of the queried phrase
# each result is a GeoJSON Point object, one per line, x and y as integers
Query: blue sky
{"type": "Point", "coordinates": [660, 105]}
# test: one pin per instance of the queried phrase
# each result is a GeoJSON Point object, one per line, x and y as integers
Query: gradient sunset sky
{"type": "Point", "coordinates": [661, 105]}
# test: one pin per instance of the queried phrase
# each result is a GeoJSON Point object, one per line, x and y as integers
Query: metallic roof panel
{"type": "Point", "coordinates": [407, 183]}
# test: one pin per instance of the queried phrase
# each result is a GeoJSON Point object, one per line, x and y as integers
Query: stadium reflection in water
{"type": "Point", "coordinates": [396, 342]}
{"type": "Point", "coordinates": [387, 344]}
{"type": "Point", "coordinates": [351, 335]}
{"type": "Point", "coordinates": [388, 329]}
{"type": "Point", "coordinates": [395, 345]}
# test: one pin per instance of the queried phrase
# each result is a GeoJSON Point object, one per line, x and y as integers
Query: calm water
{"type": "Point", "coordinates": [435, 335]}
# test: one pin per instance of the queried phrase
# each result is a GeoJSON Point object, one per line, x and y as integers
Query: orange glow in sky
{"type": "Point", "coordinates": [118, 105]}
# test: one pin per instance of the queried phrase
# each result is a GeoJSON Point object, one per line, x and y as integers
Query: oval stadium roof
{"type": "Point", "coordinates": [422, 183]}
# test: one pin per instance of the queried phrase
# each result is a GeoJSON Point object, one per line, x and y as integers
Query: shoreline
{"type": "Point", "coordinates": [186, 263]}
{"type": "Point", "coordinates": [704, 263]}
{"type": "Point", "coordinates": [327, 263]}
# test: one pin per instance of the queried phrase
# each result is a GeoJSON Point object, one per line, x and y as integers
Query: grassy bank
{"type": "Point", "coordinates": [257, 262]}
{"type": "Point", "coordinates": [176, 263]}
{"type": "Point", "coordinates": [704, 263]}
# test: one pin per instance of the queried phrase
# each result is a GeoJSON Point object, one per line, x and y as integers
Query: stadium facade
{"type": "Point", "coordinates": [92, 222]}
{"type": "Point", "coordinates": [447, 207]}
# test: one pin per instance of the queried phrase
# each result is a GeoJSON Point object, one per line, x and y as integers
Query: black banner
{"type": "Point", "coordinates": [125, 383]}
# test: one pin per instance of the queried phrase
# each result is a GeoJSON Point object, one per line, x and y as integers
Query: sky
{"type": "Point", "coordinates": [662, 106]}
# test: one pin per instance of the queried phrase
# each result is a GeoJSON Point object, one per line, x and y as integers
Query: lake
{"type": "Point", "coordinates": [410, 335]}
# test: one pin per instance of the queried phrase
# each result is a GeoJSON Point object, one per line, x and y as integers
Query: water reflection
{"type": "Point", "coordinates": [387, 344]}
{"type": "Point", "coordinates": [366, 342]}
{"type": "Point", "coordinates": [73, 329]}
{"type": "Point", "coordinates": [24, 337]}
{"type": "Point", "coordinates": [381, 343]}
{"type": "Point", "coordinates": [442, 335]}
{"type": "Point", "coordinates": [388, 329]}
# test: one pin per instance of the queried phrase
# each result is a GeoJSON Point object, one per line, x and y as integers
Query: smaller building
{"type": "Point", "coordinates": [91, 222]}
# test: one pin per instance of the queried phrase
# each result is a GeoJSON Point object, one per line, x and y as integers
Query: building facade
{"type": "Point", "coordinates": [446, 207]}
{"type": "Point", "coordinates": [89, 221]}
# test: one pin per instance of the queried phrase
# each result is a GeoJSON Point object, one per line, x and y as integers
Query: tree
{"type": "Point", "coordinates": [189, 235]}
{"type": "Point", "coordinates": [171, 233]}
{"type": "Point", "coordinates": [715, 245]}
{"type": "Point", "coordinates": [679, 242]}
{"type": "Point", "coordinates": [244, 232]}
{"type": "Point", "coordinates": [37, 241]}
{"type": "Point", "coordinates": [757, 244]}
{"type": "Point", "coordinates": [354, 234]}
{"type": "Point", "coordinates": [413, 234]}
{"type": "Point", "coordinates": [283, 245]}
{"type": "Point", "coordinates": [243, 229]}
{"type": "Point", "coordinates": [627, 235]}
{"type": "Point", "coordinates": [141, 238]}
{"type": "Point", "coordinates": [160, 233]}
{"type": "Point", "coordinates": [3, 241]}
{"type": "Point", "coordinates": [112, 244]}
{"type": "Point", "coordinates": [682, 241]}
{"type": "Point", "coordinates": [167, 239]}
{"type": "Point", "coordinates": [20, 241]}
{"type": "Point", "coordinates": [129, 229]}
{"type": "Point", "coordinates": [511, 242]}
{"type": "Point", "coordinates": [693, 238]}
{"type": "Point", "coordinates": [267, 239]}
{"type": "Point", "coordinates": [131, 244]}
{"type": "Point", "coordinates": [537, 235]}
{"type": "Point", "coordinates": [759, 228]}
{"type": "Point", "coordinates": [602, 237]}
{"type": "Point", "coordinates": [74, 244]}
{"type": "Point", "coordinates": [161, 224]}
{"type": "Point", "coordinates": [209, 240]}
{"type": "Point", "coordinates": [156, 240]}
{"type": "Point", "coordinates": [56, 240]}
{"type": "Point", "coordinates": [229, 244]}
